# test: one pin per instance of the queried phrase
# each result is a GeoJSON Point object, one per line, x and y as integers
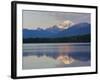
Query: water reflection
{"type": "Point", "coordinates": [68, 54]}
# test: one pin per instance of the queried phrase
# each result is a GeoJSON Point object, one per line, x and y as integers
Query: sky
{"type": "Point", "coordinates": [45, 19]}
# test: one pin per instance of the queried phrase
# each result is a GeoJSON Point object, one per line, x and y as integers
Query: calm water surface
{"type": "Point", "coordinates": [78, 51]}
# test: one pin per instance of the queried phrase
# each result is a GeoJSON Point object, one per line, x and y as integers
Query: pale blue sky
{"type": "Point", "coordinates": [43, 19]}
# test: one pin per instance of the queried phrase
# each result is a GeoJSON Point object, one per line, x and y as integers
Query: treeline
{"type": "Point", "coordinates": [82, 38]}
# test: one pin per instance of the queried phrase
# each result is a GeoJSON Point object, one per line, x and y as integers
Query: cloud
{"type": "Point", "coordinates": [65, 24]}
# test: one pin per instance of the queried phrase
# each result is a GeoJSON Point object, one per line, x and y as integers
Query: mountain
{"type": "Point", "coordinates": [41, 33]}
{"type": "Point", "coordinates": [56, 32]}
{"type": "Point", "coordinates": [54, 29]}
{"type": "Point", "coordinates": [78, 29]}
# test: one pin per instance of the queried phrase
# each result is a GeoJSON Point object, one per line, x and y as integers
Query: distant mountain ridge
{"type": "Point", "coordinates": [56, 32]}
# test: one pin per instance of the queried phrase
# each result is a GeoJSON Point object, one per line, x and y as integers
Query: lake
{"type": "Point", "coordinates": [53, 55]}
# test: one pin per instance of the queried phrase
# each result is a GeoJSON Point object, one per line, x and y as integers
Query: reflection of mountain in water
{"type": "Point", "coordinates": [56, 55]}
{"type": "Point", "coordinates": [65, 59]}
{"type": "Point", "coordinates": [35, 62]}
{"type": "Point", "coordinates": [76, 51]}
